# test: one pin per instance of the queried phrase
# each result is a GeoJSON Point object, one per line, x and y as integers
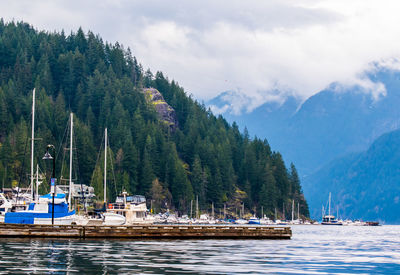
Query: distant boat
{"type": "Point", "coordinates": [266, 220]}
{"type": "Point", "coordinates": [184, 219]}
{"type": "Point", "coordinates": [330, 219]}
{"type": "Point", "coordinates": [254, 220]}
{"type": "Point", "coordinates": [281, 222]}
{"type": "Point", "coordinates": [241, 221]}
{"type": "Point", "coordinates": [371, 224]}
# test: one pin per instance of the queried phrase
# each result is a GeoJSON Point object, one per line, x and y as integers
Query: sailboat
{"type": "Point", "coordinates": [330, 219]}
{"type": "Point", "coordinates": [47, 209]}
{"type": "Point", "coordinates": [254, 219]}
{"type": "Point", "coordinates": [295, 221]}
{"type": "Point", "coordinates": [40, 212]}
{"type": "Point", "coordinates": [110, 218]}
{"type": "Point", "coordinates": [241, 220]}
{"type": "Point", "coordinates": [103, 217]}
{"type": "Point", "coordinates": [19, 202]}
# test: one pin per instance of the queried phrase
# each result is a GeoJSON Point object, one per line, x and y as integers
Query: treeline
{"type": "Point", "coordinates": [101, 83]}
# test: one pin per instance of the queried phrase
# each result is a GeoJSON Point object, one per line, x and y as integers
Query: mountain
{"type": "Point", "coordinates": [330, 124]}
{"type": "Point", "coordinates": [363, 185]}
{"type": "Point", "coordinates": [164, 144]}
{"type": "Point", "coordinates": [325, 134]}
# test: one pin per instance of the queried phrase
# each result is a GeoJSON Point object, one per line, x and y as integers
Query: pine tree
{"type": "Point", "coordinates": [147, 175]}
{"type": "Point", "coordinates": [199, 181]}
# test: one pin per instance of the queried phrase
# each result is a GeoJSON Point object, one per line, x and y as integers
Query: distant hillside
{"type": "Point", "coordinates": [364, 185]}
{"type": "Point", "coordinates": [164, 144]}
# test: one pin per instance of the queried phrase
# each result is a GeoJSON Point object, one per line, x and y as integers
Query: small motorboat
{"type": "Point", "coordinates": [254, 220]}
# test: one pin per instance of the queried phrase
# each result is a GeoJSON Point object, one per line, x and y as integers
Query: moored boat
{"type": "Point", "coordinates": [330, 220]}
{"type": "Point", "coordinates": [132, 208]}
{"type": "Point", "coordinates": [41, 212]}
{"type": "Point", "coordinates": [241, 221]}
{"type": "Point", "coordinates": [254, 220]}
{"type": "Point", "coordinates": [266, 220]}
{"type": "Point", "coordinates": [371, 224]}
{"type": "Point", "coordinates": [106, 215]}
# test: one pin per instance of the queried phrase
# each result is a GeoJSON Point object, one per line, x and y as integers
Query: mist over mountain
{"type": "Point", "coordinates": [332, 123]}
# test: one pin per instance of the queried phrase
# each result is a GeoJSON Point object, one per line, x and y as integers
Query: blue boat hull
{"type": "Point", "coordinates": [32, 217]}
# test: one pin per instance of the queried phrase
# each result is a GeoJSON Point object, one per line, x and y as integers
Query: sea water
{"type": "Point", "coordinates": [313, 249]}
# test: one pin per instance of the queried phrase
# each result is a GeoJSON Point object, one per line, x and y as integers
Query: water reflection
{"type": "Point", "coordinates": [312, 250]}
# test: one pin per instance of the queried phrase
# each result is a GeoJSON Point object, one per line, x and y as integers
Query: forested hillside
{"type": "Point", "coordinates": [364, 185]}
{"type": "Point", "coordinates": [103, 84]}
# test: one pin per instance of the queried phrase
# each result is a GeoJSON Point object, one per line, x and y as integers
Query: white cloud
{"type": "Point", "coordinates": [253, 46]}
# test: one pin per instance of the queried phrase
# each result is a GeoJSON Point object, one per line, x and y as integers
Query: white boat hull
{"type": "Point", "coordinates": [67, 220]}
{"type": "Point", "coordinates": [113, 219]}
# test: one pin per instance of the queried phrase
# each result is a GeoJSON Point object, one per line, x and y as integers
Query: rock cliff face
{"type": "Point", "coordinates": [165, 112]}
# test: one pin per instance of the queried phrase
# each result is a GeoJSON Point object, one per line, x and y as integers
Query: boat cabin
{"type": "Point", "coordinates": [133, 208]}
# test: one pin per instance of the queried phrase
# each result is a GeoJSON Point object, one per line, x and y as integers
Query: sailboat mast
{"type": "Point", "coordinates": [329, 211]}
{"type": "Point", "coordinates": [224, 211]}
{"type": "Point", "coordinates": [337, 213]}
{"type": "Point", "coordinates": [70, 163]}
{"type": "Point", "coordinates": [32, 140]}
{"type": "Point", "coordinates": [105, 166]}
{"type": "Point", "coordinates": [197, 207]}
{"type": "Point", "coordinates": [191, 209]}
{"type": "Point", "coordinates": [292, 210]}
{"type": "Point", "coordinates": [37, 183]}
{"type": "Point", "coordinates": [298, 211]}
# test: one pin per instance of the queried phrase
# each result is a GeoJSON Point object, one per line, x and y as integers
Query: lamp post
{"type": "Point", "coordinates": [53, 178]}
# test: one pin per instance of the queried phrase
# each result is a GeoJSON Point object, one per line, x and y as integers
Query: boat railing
{"type": "Point", "coordinates": [117, 206]}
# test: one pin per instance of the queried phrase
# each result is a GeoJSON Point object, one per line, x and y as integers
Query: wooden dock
{"type": "Point", "coordinates": [146, 231]}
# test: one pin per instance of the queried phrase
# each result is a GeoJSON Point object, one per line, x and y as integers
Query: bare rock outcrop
{"type": "Point", "coordinates": [165, 112]}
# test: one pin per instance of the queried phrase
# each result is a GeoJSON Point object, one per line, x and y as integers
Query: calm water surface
{"type": "Point", "coordinates": [312, 250]}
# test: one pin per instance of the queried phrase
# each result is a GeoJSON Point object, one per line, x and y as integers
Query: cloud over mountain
{"type": "Point", "coordinates": [252, 46]}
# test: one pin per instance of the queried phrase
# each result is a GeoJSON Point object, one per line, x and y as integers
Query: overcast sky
{"type": "Point", "coordinates": [251, 46]}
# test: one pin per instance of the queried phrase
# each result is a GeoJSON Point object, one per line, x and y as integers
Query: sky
{"type": "Point", "coordinates": [262, 49]}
